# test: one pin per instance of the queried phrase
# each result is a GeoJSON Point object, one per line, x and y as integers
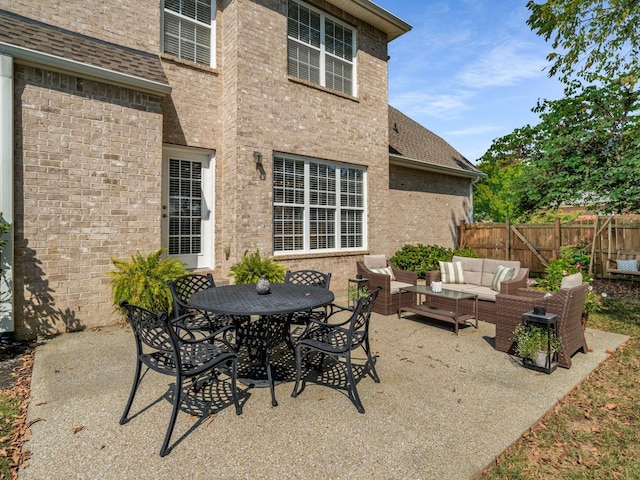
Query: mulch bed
{"type": "Point", "coordinates": [618, 288]}
{"type": "Point", "coordinates": [16, 363]}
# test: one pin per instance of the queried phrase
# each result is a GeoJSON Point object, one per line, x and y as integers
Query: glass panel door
{"type": "Point", "coordinates": [186, 211]}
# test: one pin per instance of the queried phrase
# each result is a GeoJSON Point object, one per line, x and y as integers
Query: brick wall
{"type": "Point", "coordinates": [266, 111]}
{"type": "Point", "coordinates": [427, 208]}
{"type": "Point", "coordinates": [132, 24]}
{"type": "Point", "coordinates": [88, 176]}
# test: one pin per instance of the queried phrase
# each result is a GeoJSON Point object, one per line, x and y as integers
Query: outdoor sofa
{"type": "Point", "coordinates": [478, 276]}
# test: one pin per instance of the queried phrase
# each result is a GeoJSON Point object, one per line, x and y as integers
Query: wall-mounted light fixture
{"type": "Point", "coordinates": [257, 156]}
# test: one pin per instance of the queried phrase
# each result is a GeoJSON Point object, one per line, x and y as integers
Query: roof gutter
{"type": "Point", "coordinates": [432, 167]}
{"type": "Point", "coordinates": [26, 56]}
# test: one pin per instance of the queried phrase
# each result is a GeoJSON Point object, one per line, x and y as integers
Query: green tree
{"type": "Point", "coordinates": [496, 197]}
{"type": "Point", "coordinates": [591, 38]}
{"type": "Point", "coordinates": [585, 151]}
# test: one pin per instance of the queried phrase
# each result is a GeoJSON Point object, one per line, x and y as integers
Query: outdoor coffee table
{"type": "Point", "coordinates": [452, 316]}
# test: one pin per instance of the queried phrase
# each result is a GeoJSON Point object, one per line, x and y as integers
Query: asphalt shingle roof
{"type": "Point", "coordinates": [409, 139]}
{"type": "Point", "coordinates": [30, 34]}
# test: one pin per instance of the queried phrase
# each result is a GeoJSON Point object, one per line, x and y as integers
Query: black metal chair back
{"type": "Point", "coordinates": [164, 345]}
{"type": "Point", "coordinates": [183, 287]}
{"type": "Point", "coordinates": [308, 277]}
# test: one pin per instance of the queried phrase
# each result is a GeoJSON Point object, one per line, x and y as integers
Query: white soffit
{"type": "Point", "coordinates": [374, 15]}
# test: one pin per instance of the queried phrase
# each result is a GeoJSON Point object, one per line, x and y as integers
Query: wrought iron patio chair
{"type": "Point", "coordinates": [164, 346]}
{"type": "Point", "coordinates": [182, 288]}
{"type": "Point", "coordinates": [306, 277]}
{"type": "Point", "coordinates": [337, 340]}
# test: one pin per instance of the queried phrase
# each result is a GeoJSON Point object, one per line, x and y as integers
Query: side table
{"type": "Point", "coordinates": [356, 285]}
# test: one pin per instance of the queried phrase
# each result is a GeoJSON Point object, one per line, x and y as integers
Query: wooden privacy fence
{"type": "Point", "coordinates": [606, 237]}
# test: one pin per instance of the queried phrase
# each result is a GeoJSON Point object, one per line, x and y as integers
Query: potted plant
{"type": "Point", "coordinates": [252, 268]}
{"type": "Point", "coordinates": [535, 345]}
{"type": "Point", "coordinates": [356, 292]}
{"type": "Point", "coordinates": [143, 280]}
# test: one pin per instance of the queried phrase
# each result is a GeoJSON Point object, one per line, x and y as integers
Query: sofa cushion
{"type": "Point", "coordinates": [384, 271]}
{"type": "Point", "coordinates": [395, 286]}
{"type": "Point", "coordinates": [375, 261]}
{"type": "Point", "coordinates": [627, 265]}
{"type": "Point", "coordinates": [471, 268]}
{"type": "Point", "coordinates": [571, 281]}
{"type": "Point", "coordinates": [503, 274]}
{"type": "Point", "coordinates": [484, 293]}
{"type": "Point", "coordinates": [490, 268]}
{"type": "Point", "coordinates": [451, 272]}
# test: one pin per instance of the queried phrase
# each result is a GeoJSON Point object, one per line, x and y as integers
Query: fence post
{"type": "Point", "coordinates": [507, 243]}
{"type": "Point", "coordinates": [461, 240]}
{"type": "Point", "coordinates": [557, 238]}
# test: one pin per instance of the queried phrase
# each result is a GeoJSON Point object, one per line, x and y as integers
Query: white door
{"type": "Point", "coordinates": [187, 206]}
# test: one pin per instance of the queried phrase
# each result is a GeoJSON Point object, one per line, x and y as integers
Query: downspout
{"type": "Point", "coordinates": [6, 191]}
{"type": "Point", "coordinates": [473, 182]}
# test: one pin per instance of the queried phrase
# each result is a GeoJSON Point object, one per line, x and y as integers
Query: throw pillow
{"type": "Point", "coordinates": [502, 274]}
{"type": "Point", "coordinates": [571, 281]}
{"type": "Point", "coordinates": [451, 272]}
{"type": "Point", "coordinates": [384, 271]}
{"type": "Point", "coordinates": [628, 265]}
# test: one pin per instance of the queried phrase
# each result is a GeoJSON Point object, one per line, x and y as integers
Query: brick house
{"type": "Point", "coordinates": [208, 128]}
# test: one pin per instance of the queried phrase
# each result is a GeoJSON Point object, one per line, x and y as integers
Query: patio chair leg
{"type": "Point", "coordinates": [295, 392]}
{"type": "Point", "coordinates": [372, 364]}
{"type": "Point", "coordinates": [272, 387]}
{"type": "Point", "coordinates": [134, 388]}
{"type": "Point", "coordinates": [177, 400]}
{"type": "Point", "coordinates": [234, 386]}
{"type": "Point", "coordinates": [353, 392]}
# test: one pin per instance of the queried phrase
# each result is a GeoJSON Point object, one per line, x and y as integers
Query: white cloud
{"type": "Point", "coordinates": [505, 65]}
{"type": "Point", "coordinates": [475, 130]}
{"type": "Point", "coordinates": [419, 103]}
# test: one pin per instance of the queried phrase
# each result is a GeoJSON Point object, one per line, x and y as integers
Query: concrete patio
{"type": "Point", "coordinates": [445, 408]}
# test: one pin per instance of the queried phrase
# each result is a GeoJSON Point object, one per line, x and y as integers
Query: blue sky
{"type": "Point", "coordinates": [469, 70]}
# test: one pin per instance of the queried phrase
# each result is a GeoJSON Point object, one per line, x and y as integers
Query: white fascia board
{"type": "Point", "coordinates": [432, 167]}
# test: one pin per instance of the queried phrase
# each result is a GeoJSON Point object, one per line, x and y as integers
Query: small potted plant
{"type": "Point", "coordinates": [536, 346]}
{"type": "Point", "coordinates": [356, 292]}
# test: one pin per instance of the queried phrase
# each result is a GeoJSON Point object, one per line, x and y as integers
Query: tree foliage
{"type": "Point", "coordinates": [590, 38]}
{"type": "Point", "coordinates": [584, 151]}
{"type": "Point", "coordinates": [497, 197]}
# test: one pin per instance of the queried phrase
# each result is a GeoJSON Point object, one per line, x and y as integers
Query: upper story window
{"type": "Point", "coordinates": [321, 49]}
{"type": "Point", "coordinates": [317, 206]}
{"type": "Point", "coordinates": [188, 30]}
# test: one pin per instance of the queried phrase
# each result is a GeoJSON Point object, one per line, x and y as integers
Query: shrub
{"type": "Point", "coordinates": [143, 281]}
{"type": "Point", "coordinates": [424, 258]}
{"type": "Point", "coordinates": [4, 228]}
{"type": "Point", "coordinates": [252, 268]}
{"type": "Point", "coordinates": [573, 259]}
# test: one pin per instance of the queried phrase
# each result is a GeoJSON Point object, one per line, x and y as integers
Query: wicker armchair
{"type": "Point", "coordinates": [388, 300]}
{"type": "Point", "coordinates": [567, 304]}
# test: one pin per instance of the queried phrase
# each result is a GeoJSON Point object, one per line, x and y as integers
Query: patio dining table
{"type": "Point", "coordinates": [271, 327]}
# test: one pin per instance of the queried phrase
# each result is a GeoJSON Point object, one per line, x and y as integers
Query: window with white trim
{"type": "Point", "coordinates": [317, 206]}
{"type": "Point", "coordinates": [321, 49]}
{"type": "Point", "coordinates": [188, 30]}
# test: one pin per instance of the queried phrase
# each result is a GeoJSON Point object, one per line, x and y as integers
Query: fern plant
{"type": "Point", "coordinates": [143, 281]}
{"type": "Point", "coordinates": [252, 268]}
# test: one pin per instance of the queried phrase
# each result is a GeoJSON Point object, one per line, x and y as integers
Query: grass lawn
{"type": "Point", "coordinates": [594, 433]}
